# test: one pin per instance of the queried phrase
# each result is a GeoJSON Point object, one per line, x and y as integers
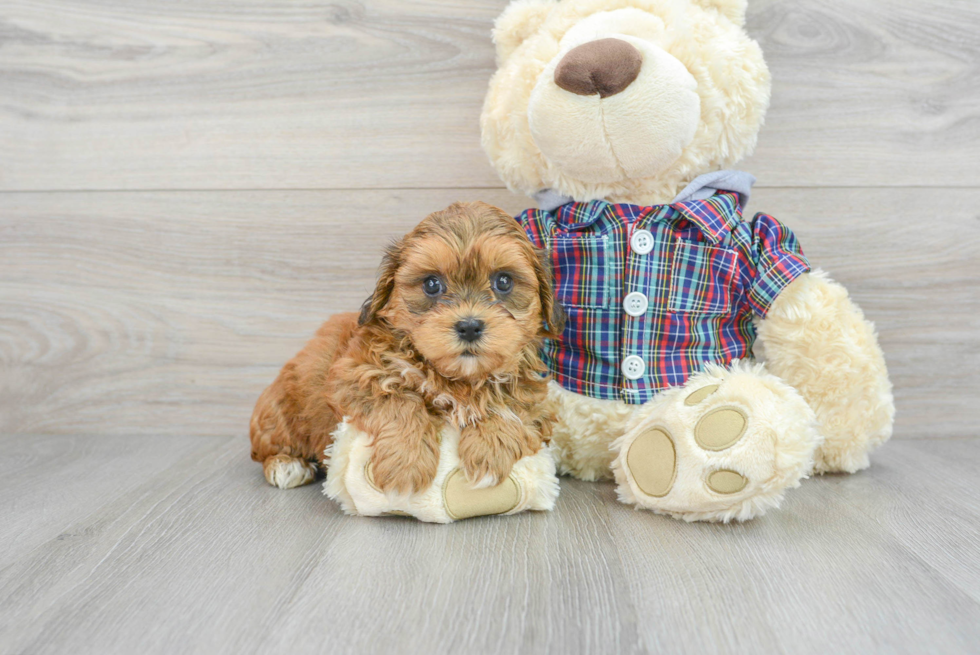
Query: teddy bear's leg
{"type": "Point", "coordinates": [724, 446]}
{"type": "Point", "coordinates": [583, 435]}
{"type": "Point", "coordinates": [532, 484]}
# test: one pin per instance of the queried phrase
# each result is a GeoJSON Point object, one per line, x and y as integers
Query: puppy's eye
{"type": "Point", "coordinates": [503, 283]}
{"type": "Point", "coordinates": [432, 286]}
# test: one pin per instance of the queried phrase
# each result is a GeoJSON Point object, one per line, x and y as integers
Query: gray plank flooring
{"type": "Point", "coordinates": [193, 553]}
{"type": "Point", "coordinates": [187, 189]}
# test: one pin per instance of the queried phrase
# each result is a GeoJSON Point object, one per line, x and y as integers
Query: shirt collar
{"type": "Point", "coordinates": [714, 216]}
{"type": "Point", "coordinates": [712, 201]}
{"type": "Point", "coordinates": [578, 215]}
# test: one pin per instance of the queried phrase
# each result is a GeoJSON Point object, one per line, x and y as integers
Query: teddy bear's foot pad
{"type": "Point", "coordinates": [720, 428]}
{"type": "Point", "coordinates": [701, 394]}
{"type": "Point", "coordinates": [652, 461]}
{"type": "Point", "coordinates": [463, 501]}
{"type": "Point", "coordinates": [726, 482]}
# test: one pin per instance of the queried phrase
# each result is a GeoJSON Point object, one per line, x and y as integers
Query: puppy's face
{"type": "Point", "coordinates": [468, 289]}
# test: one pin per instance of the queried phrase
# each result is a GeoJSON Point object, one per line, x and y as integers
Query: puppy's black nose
{"type": "Point", "coordinates": [470, 329]}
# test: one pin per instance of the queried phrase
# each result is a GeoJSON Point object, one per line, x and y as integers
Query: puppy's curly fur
{"type": "Point", "coordinates": [409, 364]}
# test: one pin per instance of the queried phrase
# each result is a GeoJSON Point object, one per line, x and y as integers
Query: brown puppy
{"type": "Point", "coordinates": [450, 336]}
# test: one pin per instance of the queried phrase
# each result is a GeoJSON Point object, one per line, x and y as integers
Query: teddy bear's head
{"type": "Point", "coordinates": [624, 100]}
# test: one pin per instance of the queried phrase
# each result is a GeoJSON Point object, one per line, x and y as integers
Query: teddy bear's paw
{"type": "Point", "coordinates": [351, 480]}
{"type": "Point", "coordinates": [652, 457]}
{"type": "Point", "coordinates": [462, 499]}
{"type": "Point", "coordinates": [724, 447]}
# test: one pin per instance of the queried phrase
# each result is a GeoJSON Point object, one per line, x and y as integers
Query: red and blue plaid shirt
{"type": "Point", "coordinates": [705, 276]}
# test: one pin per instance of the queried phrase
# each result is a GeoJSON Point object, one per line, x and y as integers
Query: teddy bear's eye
{"type": "Point", "coordinates": [503, 283]}
{"type": "Point", "coordinates": [432, 286]}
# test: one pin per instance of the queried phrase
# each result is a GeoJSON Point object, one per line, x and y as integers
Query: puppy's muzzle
{"type": "Point", "coordinates": [470, 329]}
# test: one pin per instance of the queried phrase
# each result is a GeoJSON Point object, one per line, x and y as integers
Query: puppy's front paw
{"type": "Point", "coordinates": [397, 468]}
{"type": "Point", "coordinates": [487, 461]}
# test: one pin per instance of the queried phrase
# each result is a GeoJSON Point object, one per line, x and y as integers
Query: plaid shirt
{"type": "Point", "coordinates": [671, 286]}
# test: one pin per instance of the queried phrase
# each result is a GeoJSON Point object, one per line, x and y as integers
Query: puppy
{"type": "Point", "coordinates": [450, 336]}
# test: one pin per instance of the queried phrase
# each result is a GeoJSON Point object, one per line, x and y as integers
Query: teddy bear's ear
{"type": "Point", "coordinates": [520, 19]}
{"type": "Point", "coordinates": [734, 10]}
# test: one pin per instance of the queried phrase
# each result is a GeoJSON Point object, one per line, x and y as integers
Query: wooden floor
{"type": "Point", "coordinates": [176, 545]}
{"type": "Point", "coordinates": [187, 189]}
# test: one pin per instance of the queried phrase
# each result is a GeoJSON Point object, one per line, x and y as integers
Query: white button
{"type": "Point", "coordinates": [633, 367]}
{"type": "Point", "coordinates": [635, 304]}
{"type": "Point", "coordinates": [641, 242]}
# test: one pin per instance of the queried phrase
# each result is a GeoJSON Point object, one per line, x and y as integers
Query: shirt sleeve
{"type": "Point", "coordinates": [777, 260]}
{"type": "Point", "coordinates": [536, 224]}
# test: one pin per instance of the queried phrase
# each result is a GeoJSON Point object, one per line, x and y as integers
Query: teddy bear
{"type": "Point", "coordinates": [704, 366]}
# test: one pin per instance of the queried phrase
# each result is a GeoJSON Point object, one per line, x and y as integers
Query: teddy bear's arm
{"type": "Point", "coordinates": [816, 339]}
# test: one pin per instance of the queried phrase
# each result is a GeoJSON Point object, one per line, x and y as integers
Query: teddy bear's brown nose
{"type": "Point", "coordinates": [603, 66]}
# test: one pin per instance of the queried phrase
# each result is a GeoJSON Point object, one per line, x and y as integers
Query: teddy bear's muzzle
{"type": "Point", "coordinates": [604, 67]}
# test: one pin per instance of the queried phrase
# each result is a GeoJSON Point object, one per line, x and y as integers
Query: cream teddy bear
{"type": "Point", "coordinates": [623, 118]}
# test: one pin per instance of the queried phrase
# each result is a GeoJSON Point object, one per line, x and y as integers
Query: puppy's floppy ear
{"type": "Point", "coordinates": [386, 283]}
{"type": "Point", "coordinates": [551, 309]}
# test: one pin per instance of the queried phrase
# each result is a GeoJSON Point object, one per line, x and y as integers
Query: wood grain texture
{"type": "Point", "coordinates": [203, 557]}
{"type": "Point", "coordinates": [271, 94]}
{"type": "Point", "coordinates": [869, 92]}
{"type": "Point", "coordinates": [167, 313]}
{"type": "Point", "coordinates": [53, 481]}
